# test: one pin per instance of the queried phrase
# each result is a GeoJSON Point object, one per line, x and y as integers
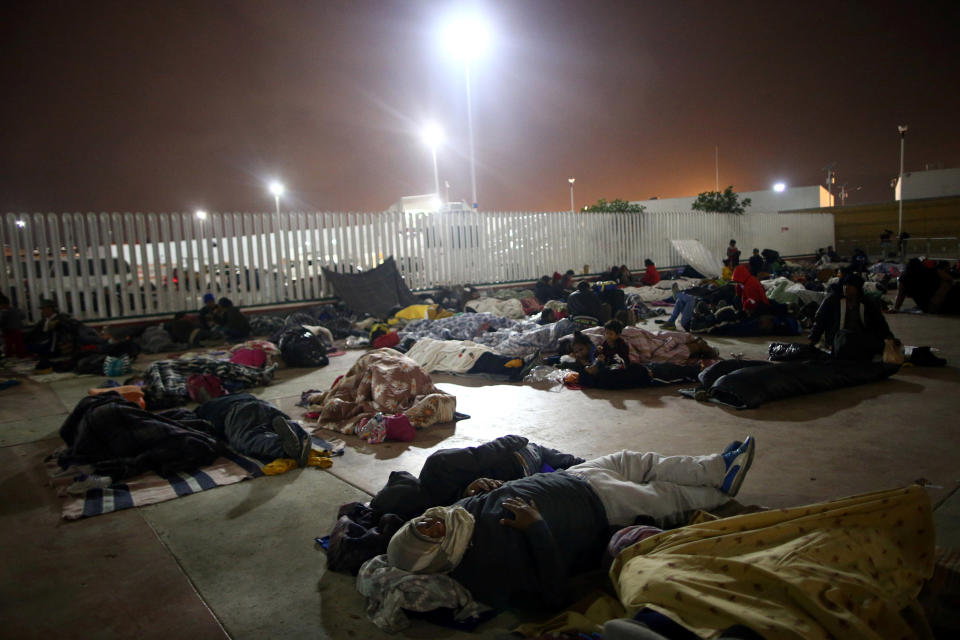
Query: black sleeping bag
{"type": "Point", "coordinates": [299, 347]}
{"type": "Point", "coordinates": [755, 383]}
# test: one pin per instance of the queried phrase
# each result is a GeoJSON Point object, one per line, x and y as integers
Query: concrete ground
{"type": "Point", "coordinates": [240, 561]}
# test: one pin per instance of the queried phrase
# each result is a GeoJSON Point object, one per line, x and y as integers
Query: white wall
{"type": "Point", "coordinates": [767, 201]}
{"type": "Point", "coordinates": [937, 183]}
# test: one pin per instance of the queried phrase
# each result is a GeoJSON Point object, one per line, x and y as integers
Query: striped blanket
{"type": "Point", "coordinates": [149, 488]}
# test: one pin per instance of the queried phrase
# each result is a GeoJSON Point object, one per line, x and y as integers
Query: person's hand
{"type": "Point", "coordinates": [524, 513]}
{"type": "Point", "coordinates": [482, 485]}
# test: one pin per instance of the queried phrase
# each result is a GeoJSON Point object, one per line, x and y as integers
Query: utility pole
{"type": "Point", "coordinates": [903, 134]}
{"type": "Point", "coordinates": [716, 164]}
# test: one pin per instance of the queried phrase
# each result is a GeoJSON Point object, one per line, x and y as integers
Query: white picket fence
{"type": "Point", "coordinates": [106, 266]}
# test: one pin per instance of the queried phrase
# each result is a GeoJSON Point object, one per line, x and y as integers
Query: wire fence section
{"type": "Point", "coordinates": [117, 265]}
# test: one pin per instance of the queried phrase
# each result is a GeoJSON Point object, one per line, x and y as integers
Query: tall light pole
{"type": "Point", "coordinates": [571, 181]}
{"type": "Point", "coordinates": [277, 189]}
{"type": "Point", "coordinates": [432, 136]}
{"type": "Point", "coordinates": [903, 134]}
{"type": "Point", "coordinates": [467, 38]}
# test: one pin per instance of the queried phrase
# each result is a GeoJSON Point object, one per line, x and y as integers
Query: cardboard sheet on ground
{"type": "Point", "coordinates": [699, 257]}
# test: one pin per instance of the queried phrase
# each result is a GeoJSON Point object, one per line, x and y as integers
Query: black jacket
{"type": "Point", "coordinates": [827, 321]}
{"type": "Point", "coordinates": [122, 440]}
{"type": "Point", "coordinates": [446, 473]}
{"type": "Point", "coordinates": [586, 303]}
{"type": "Point", "coordinates": [505, 566]}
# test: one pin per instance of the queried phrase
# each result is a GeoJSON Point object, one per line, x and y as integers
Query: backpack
{"type": "Point", "coordinates": [202, 387]}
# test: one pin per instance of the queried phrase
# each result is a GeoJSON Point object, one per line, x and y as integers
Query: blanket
{"type": "Point", "coordinates": [454, 356]}
{"type": "Point", "coordinates": [646, 346]}
{"type": "Point", "coordinates": [382, 381]}
{"type": "Point", "coordinates": [390, 590]}
{"type": "Point", "coordinates": [511, 308]}
{"type": "Point", "coordinates": [841, 569]}
{"type": "Point", "coordinates": [465, 326]}
{"type": "Point", "coordinates": [166, 380]}
{"type": "Point", "coordinates": [526, 338]}
{"type": "Point", "coordinates": [147, 488]}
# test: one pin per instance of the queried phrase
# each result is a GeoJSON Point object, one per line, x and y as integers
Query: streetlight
{"type": "Point", "coordinates": [432, 136]}
{"type": "Point", "coordinates": [466, 38]}
{"type": "Point", "coordinates": [571, 181]}
{"type": "Point", "coordinates": [201, 215]}
{"type": "Point", "coordinates": [903, 134]}
{"type": "Point", "coordinates": [277, 189]}
{"type": "Point", "coordinates": [21, 224]}
{"type": "Point", "coordinates": [779, 187]}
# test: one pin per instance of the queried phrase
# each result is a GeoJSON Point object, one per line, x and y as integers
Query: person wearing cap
{"type": "Point", "coordinates": [518, 542]}
{"type": "Point", "coordinates": [851, 325]}
{"type": "Point", "coordinates": [207, 311]}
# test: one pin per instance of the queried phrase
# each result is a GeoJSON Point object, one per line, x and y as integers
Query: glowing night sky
{"type": "Point", "coordinates": [175, 105]}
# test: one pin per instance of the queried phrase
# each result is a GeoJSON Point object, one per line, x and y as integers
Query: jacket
{"type": "Point", "coordinates": [827, 321]}
{"type": "Point", "coordinates": [586, 303]}
{"type": "Point", "coordinates": [752, 293]}
{"type": "Point", "coordinates": [651, 276]}
{"type": "Point", "coordinates": [446, 473]}
{"type": "Point", "coordinates": [505, 566]}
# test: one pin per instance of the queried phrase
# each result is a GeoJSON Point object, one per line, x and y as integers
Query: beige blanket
{"type": "Point", "coordinates": [849, 568]}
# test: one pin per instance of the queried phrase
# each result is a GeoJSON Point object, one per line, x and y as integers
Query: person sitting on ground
{"type": "Point", "coordinates": [234, 323]}
{"type": "Point", "coordinates": [56, 334]}
{"type": "Point", "coordinates": [547, 316]}
{"type": "Point", "coordinates": [208, 311]}
{"type": "Point", "coordinates": [756, 263]}
{"type": "Point", "coordinates": [727, 272]}
{"type": "Point", "coordinates": [11, 323]}
{"type": "Point", "coordinates": [859, 261]}
{"type": "Point", "coordinates": [885, 244]}
{"type": "Point", "coordinates": [545, 291]}
{"type": "Point", "coordinates": [733, 254]}
{"type": "Point", "coordinates": [930, 286]}
{"type": "Point", "coordinates": [821, 257]}
{"type": "Point", "coordinates": [518, 542]}
{"type": "Point", "coordinates": [753, 297]}
{"type": "Point", "coordinates": [651, 276]}
{"type": "Point", "coordinates": [187, 329]}
{"type": "Point", "coordinates": [566, 282]}
{"type": "Point", "coordinates": [852, 325]}
{"type": "Point", "coordinates": [584, 303]}
{"type": "Point", "coordinates": [626, 277]}
{"type": "Point", "coordinates": [832, 254]}
{"type": "Point", "coordinates": [614, 353]}
{"type": "Point", "coordinates": [256, 428]}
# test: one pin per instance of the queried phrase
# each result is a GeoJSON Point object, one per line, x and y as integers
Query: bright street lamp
{"type": "Point", "coordinates": [779, 187]}
{"type": "Point", "coordinates": [21, 224]}
{"type": "Point", "coordinates": [571, 181]}
{"type": "Point", "coordinates": [432, 136]}
{"type": "Point", "coordinates": [467, 38]}
{"type": "Point", "coordinates": [277, 189]}
{"type": "Point", "coordinates": [201, 214]}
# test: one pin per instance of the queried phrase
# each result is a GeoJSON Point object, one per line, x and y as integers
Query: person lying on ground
{"type": "Point", "coordinates": [256, 428]}
{"type": "Point", "coordinates": [448, 475]}
{"type": "Point", "coordinates": [930, 286]}
{"type": "Point", "coordinates": [545, 290]}
{"type": "Point", "coordinates": [519, 542]}
{"type": "Point", "coordinates": [852, 326]}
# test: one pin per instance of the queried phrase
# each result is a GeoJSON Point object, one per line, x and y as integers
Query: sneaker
{"type": "Point", "coordinates": [293, 447]}
{"type": "Point", "coordinates": [733, 446]}
{"type": "Point", "coordinates": [738, 462]}
{"type": "Point", "coordinates": [303, 457]}
{"type": "Point", "coordinates": [669, 326]}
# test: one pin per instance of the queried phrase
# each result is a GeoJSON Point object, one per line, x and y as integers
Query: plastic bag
{"type": "Point", "coordinates": [301, 348]}
{"type": "Point", "coordinates": [544, 375]}
{"type": "Point", "coordinates": [791, 351]}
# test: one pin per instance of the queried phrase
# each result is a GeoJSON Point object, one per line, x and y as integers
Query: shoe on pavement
{"type": "Point", "coordinates": [668, 325]}
{"type": "Point", "coordinates": [738, 462]}
{"type": "Point", "coordinates": [733, 446]}
{"type": "Point", "coordinates": [293, 446]}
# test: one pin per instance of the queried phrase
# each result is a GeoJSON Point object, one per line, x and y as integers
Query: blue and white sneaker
{"type": "Point", "coordinates": [738, 461]}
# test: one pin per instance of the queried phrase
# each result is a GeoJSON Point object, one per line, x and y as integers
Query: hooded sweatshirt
{"type": "Point", "coordinates": [752, 294]}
